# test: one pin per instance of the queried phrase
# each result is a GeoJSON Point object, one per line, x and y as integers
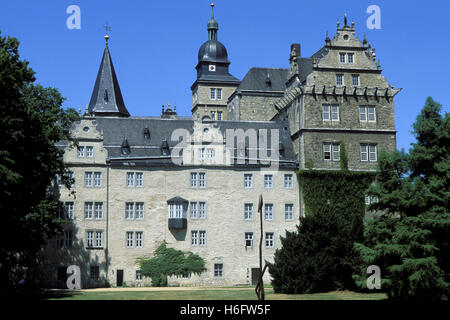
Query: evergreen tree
{"type": "Point", "coordinates": [410, 240]}
{"type": "Point", "coordinates": [31, 122]}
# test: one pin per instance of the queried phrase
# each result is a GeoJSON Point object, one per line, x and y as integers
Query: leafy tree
{"type": "Point", "coordinates": [31, 122]}
{"type": "Point", "coordinates": [410, 241]}
{"type": "Point", "coordinates": [170, 262]}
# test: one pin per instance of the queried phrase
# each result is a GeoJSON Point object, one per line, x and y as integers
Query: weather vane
{"type": "Point", "coordinates": [107, 28]}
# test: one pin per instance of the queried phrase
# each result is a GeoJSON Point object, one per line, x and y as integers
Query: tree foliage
{"type": "Point", "coordinates": [319, 255]}
{"type": "Point", "coordinates": [31, 122]}
{"type": "Point", "coordinates": [170, 262]}
{"type": "Point", "coordinates": [410, 241]}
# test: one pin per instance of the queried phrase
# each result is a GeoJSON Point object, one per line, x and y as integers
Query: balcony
{"type": "Point", "coordinates": [177, 213]}
{"type": "Point", "coordinates": [177, 223]}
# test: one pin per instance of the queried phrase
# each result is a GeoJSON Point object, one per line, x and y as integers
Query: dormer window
{"type": "Point", "coordinates": [125, 147]}
{"type": "Point", "coordinates": [105, 96]}
{"type": "Point", "coordinates": [165, 151]}
{"type": "Point", "coordinates": [146, 133]}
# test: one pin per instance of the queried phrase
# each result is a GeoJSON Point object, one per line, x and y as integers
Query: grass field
{"type": "Point", "coordinates": [203, 294]}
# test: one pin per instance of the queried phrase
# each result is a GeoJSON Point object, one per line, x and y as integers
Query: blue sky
{"type": "Point", "coordinates": [154, 45]}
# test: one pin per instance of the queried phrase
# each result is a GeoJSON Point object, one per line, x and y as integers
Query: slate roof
{"type": "Point", "coordinates": [106, 97]}
{"type": "Point", "coordinates": [256, 80]}
{"type": "Point", "coordinates": [116, 130]}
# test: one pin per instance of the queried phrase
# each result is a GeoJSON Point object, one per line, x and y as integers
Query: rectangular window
{"type": "Point", "coordinates": [139, 236]}
{"type": "Point", "coordinates": [362, 114]}
{"type": "Point", "coordinates": [269, 242]}
{"type": "Point", "coordinates": [213, 93]}
{"type": "Point", "coordinates": [80, 152]}
{"type": "Point", "coordinates": [219, 95]}
{"type": "Point", "coordinates": [213, 115]}
{"type": "Point", "coordinates": [95, 272]}
{"type": "Point", "coordinates": [64, 240]}
{"type": "Point", "coordinates": [355, 79]}
{"type": "Point", "coordinates": [139, 213]}
{"type": "Point", "coordinates": [368, 152]}
{"type": "Point", "coordinates": [342, 57]}
{"type": "Point", "coordinates": [89, 152]}
{"type": "Point", "coordinates": [372, 153]}
{"type": "Point", "coordinates": [129, 210]}
{"type": "Point", "coordinates": [98, 210]}
{"type": "Point", "coordinates": [218, 270]}
{"type": "Point", "coordinates": [350, 59]}
{"type": "Point", "coordinates": [194, 210]}
{"type": "Point", "coordinates": [94, 239]}
{"type": "Point", "coordinates": [202, 238]}
{"type": "Point", "coordinates": [193, 180]}
{"type": "Point", "coordinates": [194, 238]}
{"type": "Point", "coordinates": [371, 114]}
{"type": "Point", "coordinates": [202, 210]}
{"type": "Point", "coordinates": [138, 275]}
{"type": "Point", "coordinates": [99, 239]}
{"type": "Point", "coordinates": [202, 180]}
{"type": "Point", "coordinates": [248, 242]}
{"type": "Point", "coordinates": [97, 179]}
{"type": "Point", "coordinates": [210, 153]}
{"type": "Point", "coordinates": [68, 210]}
{"type": "Point", "coordinates": [339, 79]}
{"type": "Point", "coordinates": [335, 148]}
{"type": "Point", "coordinates": [248, 211]}
{"type": "Point", "coordinates": [289, 212]}
{"type": "Point", "coordinates": [201, 153]}
{"type": "Point", "coordinates": [88, 179]}
{"type": "Point", "coordinates": [176, 211]}
{"type": "Point", "coordinates": [248, 180]}
{"type": "Point", "coordinates": [326, 112]}
{"type": "Point", "coordinates": [268, 181]}
{"type": "Point", "coordinates": [129, 239]}
{"type": "Point", "coordinates": [219, 115]}
{"type": "Point", "coordinates": [268, 211]}
{"type": "Point", "coordinates": [130, 179]}
{"type": "Point", "coordinates": [330, 112]}
{"type": "Point", "coordinates": [288, 181]}
{"type": "Point", "coordinates": [327, 151]}
{"type": "Point", "coordinates": [88, 210]}
{"type": "Point", "coordinates": [139, 179]}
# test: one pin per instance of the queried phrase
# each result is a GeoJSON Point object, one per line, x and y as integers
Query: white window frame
{"type": "Point", "coordinates": [194, 237]}
{"type": "Point", "coordinates": [68, 209]}
{"type": "Point", "coordinates": [139, 210]}
{"type": "Point", "coordinates": [248, 240]}
{"type": "Point", "coordinates": [352, 60]}
{"type": "Point", "coordinates": [98, 179]}
{"type": "Point", "coordinates": [88, 179]}
{"type": "Point", "coordinates": [139, 182]}
{"type": "Point", "coordinates": [340, 78]}
{"type": "Point", "coordinates": [176, 211]}
{"type": "Point", "coordinates": [333, 149]}
{"type": "Point", "coordinates": [193, 208]}
{"type": "Point", "coordinates": [355, 80]}
{"type": "Point", "coordinates": [248, 211]}
{"type": "Point", "coordinates": [139, 239]}
{"type": "Point", "coordinates": [194, 179]}
{"type": "Point", "coordinates": [288, 181]}
{"type": "Point", "coordinates": [269, 240]}
{"type": "Point", "coordinates": [289, 211]}
{"type": "Point", "coordinates": [219, 94]}
{"type": "Point", "coordinates": [202, 237]}
{"type": "Point", "coordinates": [129, 239]}
{"type": "Point", "coordinates": [212, 93]}
{"type": "Point", "coordinates": [368, 152]}
{"type": "Point", "coordinates": [369, 108]}
{"type": "Point", "coordinates": [268, 211]}
{"type": "Point", "coordinates": [98, 210]}
{"type": "Point", "coordinates": [202, 179]}
{"type": "Point", "coordinates": [80, 152]}
{"type": "Point", "coordinates": [330, 112]}
{"type": "Point", "coordinates": [129, 210]}
{"type": "Point", "coordinates": [89, 151]}
{"type": "Point", "coordinates": [248, 180]}
{"type": "Point", "coordinates": [202, 210]}
{"type": "Point", "coordinates": [268, 181]}
{"type": "Point", "coordinates": [89, 210]}
{"type": "Point", "coordinates": [219, 115]}
{"type": "Point", "coordinates": [342, 55]}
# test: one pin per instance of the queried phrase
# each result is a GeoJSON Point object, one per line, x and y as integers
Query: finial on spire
{"type": "Point", "coordinates": [365, 40]}
{"type": "Point", "coordinates": [107, 29]}
{"type": "Point", "coordinates": [338, 24]}
{"type": "Point", "coordinates": [345, 19]}
{"type": "Point", "coordinates": [212, 9]}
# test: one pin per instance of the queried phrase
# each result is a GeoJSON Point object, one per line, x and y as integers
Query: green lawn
{"type": "Point", "coordinates": [208, 294]}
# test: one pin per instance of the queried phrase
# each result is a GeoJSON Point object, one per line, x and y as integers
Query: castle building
{"type": "Point", "coordinates": [195, 182]}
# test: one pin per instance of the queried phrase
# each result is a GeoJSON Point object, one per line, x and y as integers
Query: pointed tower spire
{"type": "Point", "coordinates": [213, 25]}
{"type": "Point", "coordinates": [106, 99]}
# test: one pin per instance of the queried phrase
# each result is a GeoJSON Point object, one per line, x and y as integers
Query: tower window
{"type": "Point", "coordinates": [105, 96]}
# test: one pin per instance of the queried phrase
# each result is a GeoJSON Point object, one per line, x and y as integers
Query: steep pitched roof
{"type": "Point", "coordinates": [264, 79]}
{"type": "Point", "coordinates": [106, 99]}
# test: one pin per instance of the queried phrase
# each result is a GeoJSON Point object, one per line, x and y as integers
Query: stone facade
{"type": "Point", "coordinates": [117, 220]}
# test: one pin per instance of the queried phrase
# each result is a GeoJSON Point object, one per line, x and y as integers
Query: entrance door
{"type": "Point", "coordinates": [255, 276]}
{"type": "Point", "coordinates": [119, 278]}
